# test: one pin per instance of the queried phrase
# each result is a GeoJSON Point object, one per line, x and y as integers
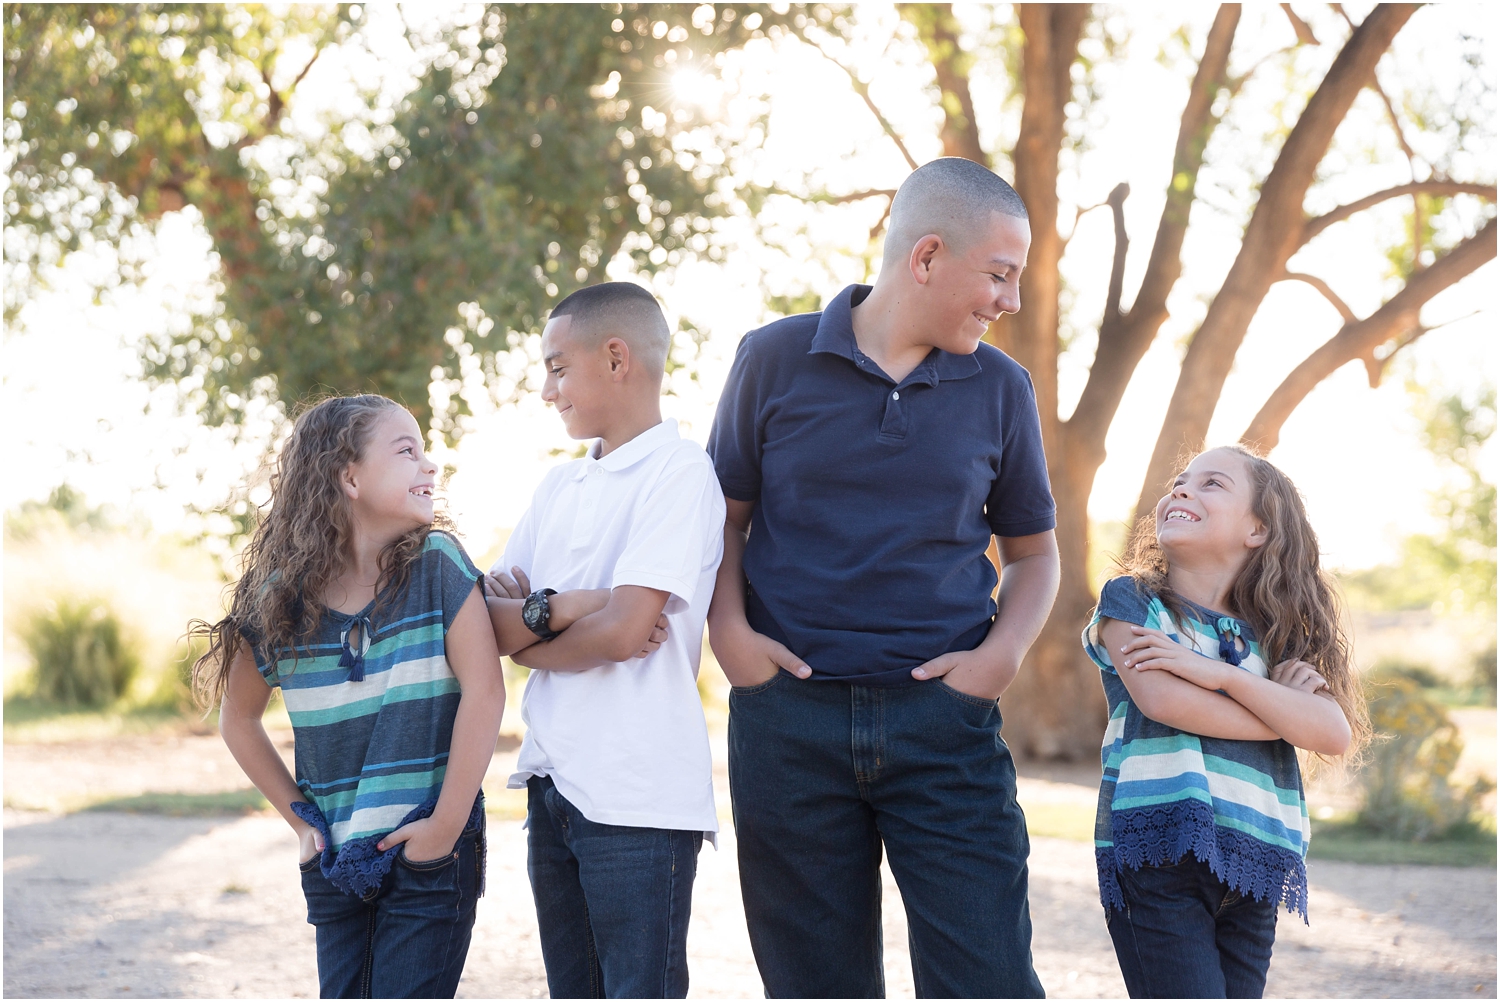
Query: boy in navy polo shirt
{"type": "Point", "coordinates": [867, 455]}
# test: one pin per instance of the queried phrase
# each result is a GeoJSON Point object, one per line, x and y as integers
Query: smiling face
{"type": "Point", "coordinates": [392, 483]}
{"type": "Point", "coordinates": [1210, 511]}
{"type": "Point", "coordinates": [581, 378]}
{"type": "Point", "coordinates": [966, 288]}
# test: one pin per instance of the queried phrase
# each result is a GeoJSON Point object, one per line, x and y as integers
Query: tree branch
{"type": "Point", "coordinates": [1122, 246]}
{"type": "Point", "coordinates": [1305, 34]}
{"type": "Point", "coordinates": [939, 31]}
{"type": "Point", "coordinates": [863, 90]}
{"type": "Point", "coordinates": [1123, 340]}
{"type": "Point", "coordinates": [1271, 237]}
{"type": "Point", "coordinates": [1318, 224]}
{"type": "Point", "coordinates": [1326, 290]}
{"type": "Point", "coordinates": [1361, 338]}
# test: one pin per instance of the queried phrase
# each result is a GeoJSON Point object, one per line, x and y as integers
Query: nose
{"type": "Point", "coordinates": [549, 389]}
{"type": "Point", "coordinates": [1009, 299]}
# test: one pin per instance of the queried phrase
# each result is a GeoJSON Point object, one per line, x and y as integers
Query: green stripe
{"type": "Point", "coordinates": [335, 714]}
{"type": "Point", "coordinates": [422, 690]}
{"type": "Point", "coordinates": [1163, 746]}
{"type": "Point", "coordinates": [1245, 773]}
{"type": "Point", "coordinates": [1129, 803]}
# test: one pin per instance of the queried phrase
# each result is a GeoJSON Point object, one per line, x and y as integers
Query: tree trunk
{"type": "Point", "coordinates": [1053, 710]}
{"type": "Point", "coordinates": [1056, 708]}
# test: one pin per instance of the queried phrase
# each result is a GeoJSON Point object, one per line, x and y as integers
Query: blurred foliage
{"type": "Point", "coordinates": [66, 507]}
{"type": "Point", "coordinates": [1453, 571]}
{"type": "Point", "coordinates": [404, 249]}
{"type": "Point", "coordinates": [1408, 789]}
{"type": "Point", "coordinates": [81, 653]}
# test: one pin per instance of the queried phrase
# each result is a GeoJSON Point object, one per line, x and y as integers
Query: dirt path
{"type": "Point", "coordinates": [122, 905]}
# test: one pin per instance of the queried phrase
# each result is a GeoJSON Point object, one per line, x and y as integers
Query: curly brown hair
{"type": "Point", "coordinates": [300, 544]}
{"type": "Point", "coordinates": [1281, 591]}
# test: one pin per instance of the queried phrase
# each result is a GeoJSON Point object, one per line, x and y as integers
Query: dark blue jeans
{"type": "Point", "coordinates": [612, 902]}
{"type": "Point", "coordinates": [407, 940]}
{"type": "Point", "coordinates": [823, 774]}
{"type": "Point", "coordinates": [1184, 934]}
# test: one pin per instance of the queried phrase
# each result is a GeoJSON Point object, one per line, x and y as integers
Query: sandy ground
{"type": "Point", "coordinates": [108, 904]}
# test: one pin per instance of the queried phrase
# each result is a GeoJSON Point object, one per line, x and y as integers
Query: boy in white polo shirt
{"type": "Point", "coordinates": [616, 757]}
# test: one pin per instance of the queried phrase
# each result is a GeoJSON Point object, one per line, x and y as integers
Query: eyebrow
{"type": "Point", "coordinates": [1210, 473]}
{"type": "Point", "coordinates": [1006, 262]}
{"type": "Point", "coordinates": [406, 438]}
{"type": "Point", "coordinates": [553, 355]}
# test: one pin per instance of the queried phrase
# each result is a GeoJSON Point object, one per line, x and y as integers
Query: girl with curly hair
{"type": "Point", "coordinates": [1222, 653]}
{"type": "Point", "coordinates": [369, 616]}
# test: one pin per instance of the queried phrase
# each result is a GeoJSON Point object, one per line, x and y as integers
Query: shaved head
{"type": "Point", "coordinates": [623, 310]}
{"type": "Point", "coordinates": [951, 197]}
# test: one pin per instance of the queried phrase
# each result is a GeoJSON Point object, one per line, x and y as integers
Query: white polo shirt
{"type": "Point", "coordinates": [626, 743]}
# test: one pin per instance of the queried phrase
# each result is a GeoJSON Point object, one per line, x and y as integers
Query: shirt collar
{"type": "Point", "coordinates": [835, 336]}
{"type": "Point", "coordinates": [631, 452]}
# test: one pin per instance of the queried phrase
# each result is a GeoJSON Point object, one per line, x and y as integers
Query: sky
{"type": "Point", "coordinates": [71, 370]}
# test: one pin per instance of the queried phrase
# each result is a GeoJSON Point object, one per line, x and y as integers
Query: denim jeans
{"type": "Point", "coordinates": [410, 938]}
{"type": "Point", "coordinates": [824, 775]}
{"type": "Point", "coordinates": [612, 902]}
{"type": "Point", "coordinates": [1184, 934]}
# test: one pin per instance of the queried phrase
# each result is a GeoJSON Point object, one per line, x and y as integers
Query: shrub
{"type": "Point", "coordinates": [1407, 776]}
{"type": "Point", "coordinates": [1396, 668]}
{"type": "Point", "coordinates": [81, 653]}
{"type": "Point", "coordinates": [1483, 677]}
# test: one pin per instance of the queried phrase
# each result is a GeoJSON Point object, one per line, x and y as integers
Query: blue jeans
{"type": "Point", "coordinates": [1184, 934]}
{"type": "Point", "coordinates": [409, 939]}
{"type": "Point", "coordinates": [823, 775]}
{"type": "Point", "coordinates": [612, 902]}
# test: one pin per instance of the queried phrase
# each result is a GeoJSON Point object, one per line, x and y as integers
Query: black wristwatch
{"type": "Point", "coordinates": [536, 614]}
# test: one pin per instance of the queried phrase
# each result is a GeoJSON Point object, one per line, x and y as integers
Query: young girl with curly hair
{"type": "Point", "coordinates": [373, 624]}
{"type": "Point", "coordinates": [1222, 653]}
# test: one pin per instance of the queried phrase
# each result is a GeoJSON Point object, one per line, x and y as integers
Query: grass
{"type": "Point", "coordinates": [187, 805]}
{"type": "Point", "coordinates": [1074, 822]}
{"type": "Point", "coordinates": [30, 720]}
{"type": "Point", "coordinates": [1348, 841]}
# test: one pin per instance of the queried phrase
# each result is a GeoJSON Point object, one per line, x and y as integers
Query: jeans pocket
{"type": "Point", "coordinates": [311, 865]}
{"type": "Point", "coordinates": [427, 865]}
{"type": "Point", "coordinates": [979, 702]}
{"type": "Point", "coordinates": [751, 690]}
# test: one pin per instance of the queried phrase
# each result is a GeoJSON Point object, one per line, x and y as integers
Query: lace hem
{"type": "Point", "coordinates": [1161, 836]}
{"type": "Point", "coordinates": [358, 868]}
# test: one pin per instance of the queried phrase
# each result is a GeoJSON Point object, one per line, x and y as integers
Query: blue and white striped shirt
{"type": "Point", "coordinates": [1236, 805]}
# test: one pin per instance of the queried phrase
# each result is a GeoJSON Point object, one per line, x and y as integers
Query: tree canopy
{"type": "Point", "coordinates": [392, 251]}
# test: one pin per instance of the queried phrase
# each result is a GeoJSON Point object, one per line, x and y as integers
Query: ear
{"type": "Point", "coordinates": [617, 352]}
{"type": "Point", "coordinates": [347, 483]}
{"type": "Point", "coordinates": [923, 252]}
{"type": "Point", "coordinates": [1257, 536]}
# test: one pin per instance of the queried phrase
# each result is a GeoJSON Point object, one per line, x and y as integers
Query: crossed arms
{"type": "Point", "coordinates": [1181, 688]}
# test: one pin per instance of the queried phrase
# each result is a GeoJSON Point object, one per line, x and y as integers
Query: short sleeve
{"type": "Point", "coordinates": [1121, 599]}
{"type": "Point", "coordinates": [265, 666]}
{"type": "Point", "coordinates": [736, 440]}
{"type": "Point", "coordinates": [455, 574]}
{"type": "Point", "coordinates": [676, 535]}
{"type": "Point", "coordinates": [1020, 501]}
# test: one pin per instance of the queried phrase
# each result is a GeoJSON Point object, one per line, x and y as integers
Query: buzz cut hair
{"type": "Point", "coordinates": [623, 310]}
{"type": "Point", "coordinates": [951, 197]}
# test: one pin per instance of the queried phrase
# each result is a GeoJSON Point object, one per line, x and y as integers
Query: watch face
{"type": "Point", "coordinates": [532, 613]}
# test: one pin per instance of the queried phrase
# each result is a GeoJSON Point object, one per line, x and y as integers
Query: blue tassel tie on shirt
{"type": "Point", "coordinates": [351, 659]}
{"type": "Point", "coordinates": [1229, 632]}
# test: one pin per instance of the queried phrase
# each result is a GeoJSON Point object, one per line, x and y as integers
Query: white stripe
{"type": "Point", "coordinates": [371, 819]}
{"type": "Point", "coordinates": [1138, 767]}
{"type": "Point", "coordinates": [327, 697]}
{"type": "Point", "coordinates": [1238, 791]}
{"type": "Point", "coordinates": [1113, 732]}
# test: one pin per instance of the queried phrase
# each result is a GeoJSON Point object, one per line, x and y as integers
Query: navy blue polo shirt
{"type": "Point", "coordinates": [875, 501]}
